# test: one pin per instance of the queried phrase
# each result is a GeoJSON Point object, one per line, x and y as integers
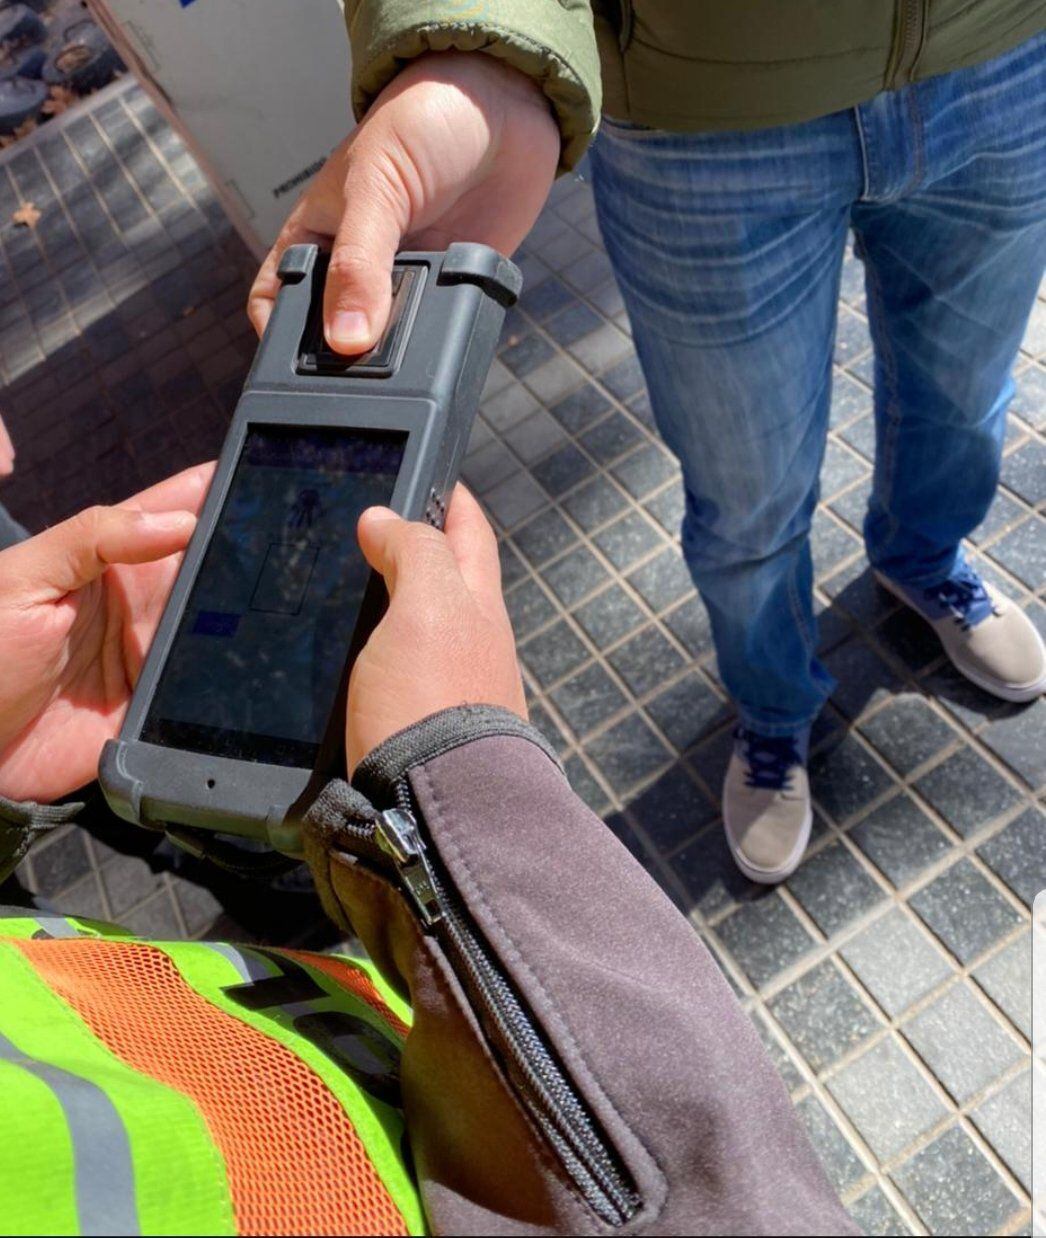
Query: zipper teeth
{"type": "Point", "coordinates": [557, 1108]}
{"type": "Point", "coordinates": [552, 1102]}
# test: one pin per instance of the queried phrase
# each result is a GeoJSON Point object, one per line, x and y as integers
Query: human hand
{"type": "Point", "coordinates": [445, 639]}
{"type": "Point", "coordinates": [458, 147]}
{"type": "Point", "coordinates": [7, 452]}
{"type": "Point", "coordinates": [79, 605]}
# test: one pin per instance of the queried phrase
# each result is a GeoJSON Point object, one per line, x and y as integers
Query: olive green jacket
{"type": "Point", "coordinates": [692, 64]}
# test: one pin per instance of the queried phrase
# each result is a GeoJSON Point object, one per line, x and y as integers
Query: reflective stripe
{"type": "Point", "coordinates": [105, 1200]}
{"type": "Point", "coordinates": [56, 926]}
{"type": "Point", "coordinates": [163, 1126]}
{"type": "Point", "coordinates": [249, 965]}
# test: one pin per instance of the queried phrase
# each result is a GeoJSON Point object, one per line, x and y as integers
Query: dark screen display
{"type": "Point", "coordinates": [256, 664]}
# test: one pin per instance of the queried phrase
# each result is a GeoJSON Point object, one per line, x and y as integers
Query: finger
{"type": "Point", "coordinates": [474, 546]}
{"type": "Point", "coordinates": [183, 492]}
{"type": "Point", "coordinates": [261, 299]}
{"type": "Point", "coordinates": [409, 555]}
{"type": "Point", "coordinates": [358, 295]}
{"type": "Point", "coordinates": [77, 551]}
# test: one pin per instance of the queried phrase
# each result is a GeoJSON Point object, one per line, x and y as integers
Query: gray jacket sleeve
{"type": "Point", "coordinates": [656, 1060]}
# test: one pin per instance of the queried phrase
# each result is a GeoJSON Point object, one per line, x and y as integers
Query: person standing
{"type": "Point", "coordinates": [738, 145]}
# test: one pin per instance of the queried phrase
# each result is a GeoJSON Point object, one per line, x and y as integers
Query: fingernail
{"type": "Point", "coordinates": [350, 329]}
{"type": "Point", "coordinates": [377, 515]}
{"type": "Point", "coordinates": [166, 522]}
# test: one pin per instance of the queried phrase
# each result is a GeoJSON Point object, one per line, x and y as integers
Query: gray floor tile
{"type": "Point", "coordinates": [563, 470]}
{"type": "Point", "coordinates": [581, 408]}
{"type": "Point", "coordinates": [1005, 1121]}
{"type": "Point", "coordinates": [595, 503]}
{"type": "Point", "coordinates": [967, 791]}
{"type": "Point", "coordinates": [834, 889]}
{"type": "Point", "coordinates": [1022, 551]}
{"type": "Point", "coordinates": [553, 653]}
{"type": "Point", "coordinates": [575, 575]}
{"type": "Point", "coordinates": [1018, 853]}
{"type": "Point", "coordinates": [846, 778]}
{"type": "Point", "coordinates": [863, 677]}
{"type": "Point", "coordinates": [672, 809]}
{"type": "Point", "coordinates": [686, 711]}
{"type": "Point", "coordinates": [513, 500]}
{"type": "Point", "coordinates": [840, 1162]}
{"type": "Point", "coordinates": [900, 839]}
{"type": "Point", "coordinates": [529, 608]}
{"type": "Point", "coordinates": [954, 1189]}
{"type": "Point", "coordinates": [886, 1098]}
{"type": "Point", "coordinates": [609, 616]}
{"type": "Point", "coordinates": [1016, 738]}
{"type": "Point", "coordinates": [907, 732]}
{"type": "Point", "coordinates": [779, 1055]}
{"type": "Point", "coordinates": [1006, 978]}
{"type": "Point", "coordinates": [764, 937]}
{"type": "Point", "coordinates": [611, 438]}
{"type": "Point", "coordinates": [875, 1215]}
{"type": "Point", "coordinates": [961, 1043]}
{"type": "Point", "coordinates": [714, 884]}
{"type": "Point", "coordinates": [645, 469]}
{"type": "Point", "coordinates": [627, 753]}
{"type": "Point", "coordinates": [667, 508]}
{"type": "Point", "coordinates": [662, 581]}
{"type": "Point", "coordinates": [586, 700]}
{"type": "Point", "coordinates": [964, 911]}
{"type": "Point", "coordinates": [544, 537]}
{"type": "Point", "coordinates": [823, 1015]}
{"type": "Point", "coordinates": [627, 539]}
{"type": "Point", "coordinates": [512, 405]}
{"type": "Point", "coordinates": [895, 962]}
{"type": "Point", "coordinates": [646, 660]}
{"type": "Point", "coordinates": [690, 624]}
{"type": "Point", "coordinates": [535, 436]}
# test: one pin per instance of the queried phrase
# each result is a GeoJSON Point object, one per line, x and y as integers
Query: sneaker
{"type": "Point", "coordinates": [989, 639]}
{"type": "Point", "coordinates": [766, 804]}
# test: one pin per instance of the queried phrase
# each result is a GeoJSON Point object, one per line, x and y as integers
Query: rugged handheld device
{"type": "Point", "coordinates": [238, 716]}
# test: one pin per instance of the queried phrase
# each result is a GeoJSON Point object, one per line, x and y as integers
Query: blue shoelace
{"type": "Point", "coordinates": [770, 758]}
{"type": "Point", "coordinates": [964, 595]}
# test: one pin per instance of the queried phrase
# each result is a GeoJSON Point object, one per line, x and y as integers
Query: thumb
{"type": "Point", "coordinates": [358, 296]}
{"type": "Point", "coordinates": [408, 554]}
{"type": "Point", "coordinates": [72, 554]}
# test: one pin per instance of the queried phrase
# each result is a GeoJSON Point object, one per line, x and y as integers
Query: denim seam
{"type": "Point", "coordinates": [863, 143]}
{"type": "Point", "coordinates": [916, 119]}
{"type": "Point", "coordinates": [884, 348]}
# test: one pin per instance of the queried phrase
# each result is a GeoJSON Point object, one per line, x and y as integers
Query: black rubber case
{"type": "Point", "coordinates": [424, 377]}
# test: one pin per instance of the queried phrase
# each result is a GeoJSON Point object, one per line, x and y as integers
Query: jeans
{"type": "Point", "coordinates": [728, 249]}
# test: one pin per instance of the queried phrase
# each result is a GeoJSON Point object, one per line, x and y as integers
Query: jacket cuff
{"type": "Point", "coordinates": [21, 824]}
{"type": "Point", "coordinates": [379, 772]}
{"type": "Point", "coordinates": [551, 41]}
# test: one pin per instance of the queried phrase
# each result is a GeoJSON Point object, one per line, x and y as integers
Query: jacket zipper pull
{"type": "Point", "coordinates": [397, 834]}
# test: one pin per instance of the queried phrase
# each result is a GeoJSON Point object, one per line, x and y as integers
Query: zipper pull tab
{"type": "Point", "coordinates": [398, 836]}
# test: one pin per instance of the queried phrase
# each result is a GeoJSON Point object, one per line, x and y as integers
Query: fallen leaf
{"type": "Point", "coordinates": [27, 216]}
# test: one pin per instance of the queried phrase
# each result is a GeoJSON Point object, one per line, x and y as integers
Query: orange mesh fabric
{"type": "Point", "coordinates": [294, 1161]}
{"type": "Point", "coordinates": [354, 981]}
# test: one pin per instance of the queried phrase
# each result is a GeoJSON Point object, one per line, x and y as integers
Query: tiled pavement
{"type": "Point", "coordinates": [890, 977]}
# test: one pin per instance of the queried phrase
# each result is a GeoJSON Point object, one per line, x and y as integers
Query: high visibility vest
{"type": "Point", "coordinates": [196, 1088]}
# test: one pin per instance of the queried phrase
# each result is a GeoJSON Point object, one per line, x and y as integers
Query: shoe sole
{"type": "Point", "coordinates": [1017, 694]}
{"type": "Point", "coordinates": [774, 876]}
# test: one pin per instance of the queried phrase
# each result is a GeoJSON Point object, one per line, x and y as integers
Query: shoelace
{"type": "Point", "coordinates": [963, 595]}
{"type": "Point", "coordinates": [770, 759]}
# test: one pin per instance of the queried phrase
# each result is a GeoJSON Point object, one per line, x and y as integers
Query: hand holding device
{"type": "Point", "coordinates": [446, 614]}
{"type": "Point", "coordinates": [78, 607]}
{"type": "Point", "coordinates": [460, 146]}
{"type": "Point", "coordinates": [238, 717]}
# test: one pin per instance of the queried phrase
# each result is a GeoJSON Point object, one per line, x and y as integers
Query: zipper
{"type": "Point", "coordinates": [394, 841]}
{"type": "Point", "coordinates": [908, 41]}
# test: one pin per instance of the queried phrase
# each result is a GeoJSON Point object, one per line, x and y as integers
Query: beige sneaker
{"type": "Point", "coordinates": [988, 638]}
{"type": "Point", "coordinates": [766, 806]}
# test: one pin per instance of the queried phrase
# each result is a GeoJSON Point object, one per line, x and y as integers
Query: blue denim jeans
{"type": "Point", "coordinates": [728, 249]}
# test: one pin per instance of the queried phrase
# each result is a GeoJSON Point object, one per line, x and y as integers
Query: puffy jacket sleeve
{"type": "Point", "coordinates": [551, 41]}
{"type": "Point", "coordinates": [577, 1063]}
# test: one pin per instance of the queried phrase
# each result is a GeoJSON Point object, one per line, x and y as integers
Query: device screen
{"type": "Point", "coordinates": [258, 658]}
